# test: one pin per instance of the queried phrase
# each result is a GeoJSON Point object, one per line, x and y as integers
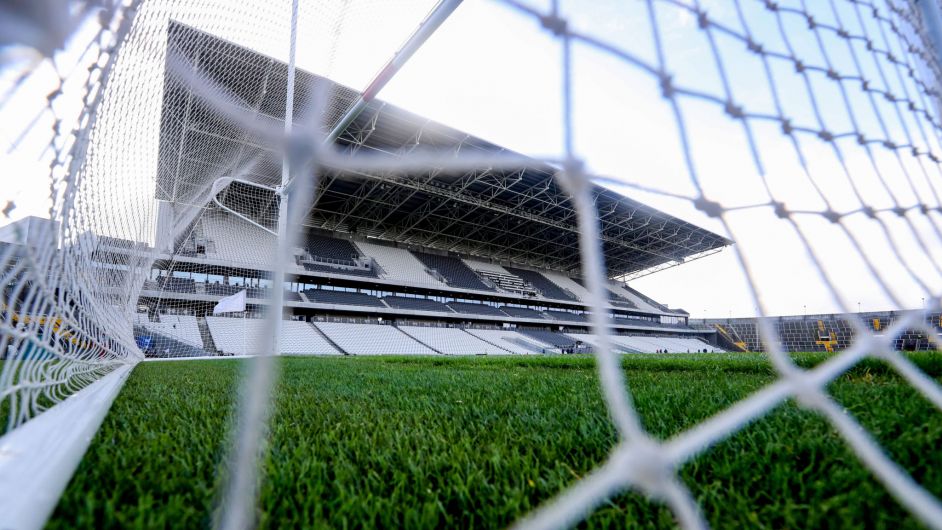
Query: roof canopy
{"type": "Point", "coordinates": [520, 216]}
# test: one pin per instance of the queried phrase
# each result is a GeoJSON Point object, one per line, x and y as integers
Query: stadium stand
{"type": "Point", "coordinates": [641, 301]}
{"type": "Point", "coordinates": [229, 238]}
{"type": "Point", "coordinates": [556, 340]}
{"type": "Point", "coordinates": [237, 336]}
{"type": "Point", "coordinates": [541, 283]}
{"type": "Point", "coordinates": [509, 340]}
{"type": "Point", "coordinates": [176, 285]}
{"type": "Point", "coordinates": [592, 342]}
{"type": "Point", "coordinates": [499, 276]}
{"type": "Point", "coordinates": [178, 327]}
{"type": "Point", "coordinates": [220, 289]}
{"type": "Point", "coordinates": [348, 270]}
{"type": "Point", "coordinates": [452, 341]}
{"type": "Point", "coordinates": [476, 309]}
{"type": "Point", "coordinates": [399, 264]}
{"type": "Point", "coordinates": [565, 316]}
{"type": "Point", "coordinates": [455, 272]}
{"type": "Point", "coordinates": [372, 339]}
{"type": "Point", "coordinates": [324, 296]}
{"type": "Point", "coordinates": [521, 312]}
{"type": "Point", "coordinates": [156, 344]}
{"type": "Point", "coordinates": [324, 248]}
{"type": "Point", "coordinates": [421, 304]}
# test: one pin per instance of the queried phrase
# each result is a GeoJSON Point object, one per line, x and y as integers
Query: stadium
{"type": "Point", "coordinates": [263, 295]}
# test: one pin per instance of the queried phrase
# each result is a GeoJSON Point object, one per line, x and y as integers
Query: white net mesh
{"type": "Point", "coordinates": [811, 124]}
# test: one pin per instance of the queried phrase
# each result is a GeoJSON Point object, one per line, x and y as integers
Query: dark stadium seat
{"type": "Point", "coordinates": [219, 289]}
{"type": "Point", "coordinates": [317, 267]}
{"type": "Point", "coordinates": [323, 296]}
{"type": "Point", "coordinates": [548, 288]}
{"type": "Point", "coordinates": [421, 304]}
{"type": "Point", "coordinates": [455, 271]}
{"type": "Point", "coordinates": [476, 309]}
{"type": "Point", "coordinates": [565, 316]}
{"type": "Point", "coordinates": [522, 312]}
{"type": "Point", "coordinates": [178, 285]}
{"type": "Point", "coordinates": [328, 248]}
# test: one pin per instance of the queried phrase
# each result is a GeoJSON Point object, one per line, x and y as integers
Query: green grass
{"type": "Point", "coordinates": [475, 442]}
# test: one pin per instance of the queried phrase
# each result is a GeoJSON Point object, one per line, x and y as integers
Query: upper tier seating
{"type": "Point", "coordinates": [548, 288]}
{"type": "Point", "coordinates": [553, 339]}
{"type": "Point", "coordinates": [476, 309]}
{"type": "Point", "coordinates": [372, 339]}
{"type": "Point", "coordinates": [455, 272]}
{"type": "Point", "coordinates": [509, 340]}
{"type": "Point", "coordinates": [237, 336]}
{"type": "Point", "coordinates": [568, 283]}
{"type": "Point", "coordinates": [641, 301]}
{"type": "Point", "coordinates": [421, 304]}
{"type": "Point", "coordinates": [522, 312]}
{"type": "Point", "coordinates": [452, 341]}
{"type": "Point", "coordinates": [323, 296]}
{"type": "Point", "coordinates": [501, 278]}
{"type": "Point", "coordinates": [330, 249]}
{"type": "Point", "coordinates": [399, 264]}
{"type": "Point", "coordinates": [233, 239]}
{"type": "Point", "coordinates": [615, 295]}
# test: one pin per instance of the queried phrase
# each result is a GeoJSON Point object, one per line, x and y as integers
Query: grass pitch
{"type": "Point", "coordinates": [478, 442]}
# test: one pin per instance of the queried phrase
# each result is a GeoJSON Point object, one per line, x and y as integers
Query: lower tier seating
{"type": "Point", "coordinates": [557, 340]}
{"type": "Point", "coordinates": [178, 327]}
{"type": "Point", "coordinates": [237, 336]}
{"type": "Point", "coordinates": [510, 340]}
{"type": "Point", "coordinates": [453, 341]}
{"type": "Point", "coordinates": [372, 339]}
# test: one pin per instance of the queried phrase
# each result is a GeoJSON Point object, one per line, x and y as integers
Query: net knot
{"type": "Point", "coordinates": [557, 25]}
{"type": "Point", "coordinates": [649, 469]}
{"type": "Point", "coordinates": [869, 211]}
{"type": "Point", "coordinates": [711, 208]}
{"type": "Point", "coordinates": [899, 211]}
{"type": "Point", "coordinates": [831, 216]}
{"type": "Point", "coordinates": [807, 394]}
{"type": "Point", "coordinates": [573, 177]}
{"type": "Point", "coordinates": [787, 127]}
{"type": "Point", "coordinates": [702, 20]}
{"type": "Point", "coordinates": [667, 85]}
{"type": "Point", "coordinates": [781, 211]}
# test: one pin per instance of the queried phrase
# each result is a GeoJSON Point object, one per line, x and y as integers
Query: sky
{"type": "Point", "coordinates": [497, 74]}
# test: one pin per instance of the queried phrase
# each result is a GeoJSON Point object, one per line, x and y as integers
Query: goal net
{"type": "Point", "coordinates": [182, 149]}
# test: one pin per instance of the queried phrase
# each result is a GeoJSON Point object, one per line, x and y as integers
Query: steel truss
{"type": "Point", "coordinates": [521, 216]}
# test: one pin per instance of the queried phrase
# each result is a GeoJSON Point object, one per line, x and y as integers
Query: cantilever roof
{"type": "Point", "coordinates": [520, 216]}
